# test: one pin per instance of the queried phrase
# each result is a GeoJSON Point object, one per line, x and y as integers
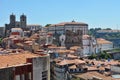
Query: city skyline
{"type": "Point", "coordinates": [103, 13]}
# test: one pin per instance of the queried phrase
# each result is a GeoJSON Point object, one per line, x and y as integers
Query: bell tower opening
{"type": "Point", "coordinates": [23, 21]}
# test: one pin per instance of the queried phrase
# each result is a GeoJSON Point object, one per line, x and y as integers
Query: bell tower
{"type": "Point", "coordinates": [23, 21]}
{"type": "Point", "coordinates": [12, 20]}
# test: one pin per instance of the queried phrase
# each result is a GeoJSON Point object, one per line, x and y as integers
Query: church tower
{"type": "Point", "coordinates": [23, 21]}
{"type": "Point", "coordinates": [12, 20]}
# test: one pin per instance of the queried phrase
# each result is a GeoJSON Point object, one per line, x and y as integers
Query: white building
{"type": "Point", "coordinates": [62, 27]}
{"type": "Point", "coordinates": [49, 38]}
{"type": "Point", "coordinates": [89, 45]}
{"type": "Point", "coordinates": [104, 44]}
{"type": "Point", "coordinates": [19, 30]}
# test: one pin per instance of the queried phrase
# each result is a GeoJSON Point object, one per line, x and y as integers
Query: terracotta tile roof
{"type": "Point", "coordinates": [90, 75]}
{"type": "Point", "coordinates": [54, 46]}
{"type": "Point", "coordinates": [63, 51]}
{"type": "Point", "coordinates": [20, 44]}
{"type": "Point", "coordinates": [75, 47]}
{"type": "Point", "coordinates": [27, 42]}
{"type": "Point", "coordinates": [101, 68]}
{"type": "Point", "coordinates": [85, 36]}
{"type": "Point", "coordinates": [13, 59]}
{"type": "Point", "coordinates": [10, 37]}
{"type": "Point", "coordinates": [73, 67]}
{"type": "Point", "coordinates": [1, 49]}
{"type": "Point", "coordinates": [111, 62]}
{"type": "Point", "coordinates": [71, 56]}
{"type": "Point", "coordinates": [91, 68]}
{"type": "Point", "coordinates": [103, 41]}
{"type": "Point", "coordinates": [69, 23]}
{"type": "Point", "coordinates": [74, 61]}
{"type": "Point", "coordinates": [49, 33]}
{"type": "Point", "coordinates": [34, 36]}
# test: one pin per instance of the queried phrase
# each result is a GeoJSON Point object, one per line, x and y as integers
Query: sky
{"type": "Point", "coordinates": [96, 13]}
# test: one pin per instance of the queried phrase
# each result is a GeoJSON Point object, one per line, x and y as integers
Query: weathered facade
{"type": "Point", "coordinates": [24, 66]}
{"type": "Point", "coordinates": [61, 28]}
{"type": "Point", "coordinates": [73, 38]}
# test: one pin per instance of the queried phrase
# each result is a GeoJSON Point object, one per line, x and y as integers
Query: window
{"type": "Point", "coordinates": [44, 79]}
{"type": "Point", "coordinates": [44, 75]}
{"type": "Point", "coordinates": [23, 19]}
{"type": "Point", "coordinates": [71, 70]}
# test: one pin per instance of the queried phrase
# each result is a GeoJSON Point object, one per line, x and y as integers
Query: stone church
{"type": "Point", "coordinates": [16, 24]}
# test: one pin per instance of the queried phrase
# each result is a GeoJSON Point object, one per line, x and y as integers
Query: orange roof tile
{"type": "Point", "coordinates": [71, 56]}
{"type": "Point", "coordinates": [85, 36]}
{"type": "Point", "coordinates": [103, 41]}
{"type": "Point", "coordinates": [74, 61]}
{"type": "Point", "coordinates": [73, 67]}
{"type": "Point", "coordinates": [15, 58]}
{"type": "Point", "coordinates": [69, 23]}
{"type": "Point", "coordinates": [90, 75]}
{"type": "Point", "coordinates": [75, 47]}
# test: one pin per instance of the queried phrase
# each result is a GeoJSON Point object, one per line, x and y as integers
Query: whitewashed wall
{"type": "Point", "coordinates": [41, 64]}
{"type": "Point", "coordinates": [105, 46]}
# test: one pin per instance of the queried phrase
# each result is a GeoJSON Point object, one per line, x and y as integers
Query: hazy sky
{"type": "Point", "coordinates": [97, 13]}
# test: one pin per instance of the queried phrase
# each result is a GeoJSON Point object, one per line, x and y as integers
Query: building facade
{"type": "Point", "coordinates": [104, 44]}
{"type": "Point", "coordinates": [25, 66]}
{"type": "Point", "coordinates": [73, 38]}
{"type": "Point", "coordinates": [89, 45]}
{"type": "Point", "coordinates": [61, 28]}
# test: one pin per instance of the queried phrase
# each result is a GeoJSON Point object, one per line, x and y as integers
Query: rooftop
{"type": "Point", "coordinates": [103, 41]}
{"type": "Point", "coordinates": [85, 37]}
{"type": "Point", "coordinates": [66, 62]}
{"type": "Point", "coordinates": [90, 75]}
{"type": "Point", "coordinates": [106, 62]}
{"type": "Point", "coordinates": [13, 59]}
{"type": "Point", "coordinates": [69, 23]}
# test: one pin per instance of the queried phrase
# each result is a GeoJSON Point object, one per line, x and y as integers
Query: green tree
{"type": "Point", "coordinates": [47, 25]}
{"type": "Point", "coordinates": [93, 31]}
{"type": "Point", "coordinates": [0, 40]}
{"type": "Point", "coordinates": [108, 29]}
{"type": "Point", "coordinates": [105, 55]}
{"type": "Point", "coordinates": [93, 56]}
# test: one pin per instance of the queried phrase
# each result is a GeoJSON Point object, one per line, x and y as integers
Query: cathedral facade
{"type": "Point", "coordinates": [15, 24]}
